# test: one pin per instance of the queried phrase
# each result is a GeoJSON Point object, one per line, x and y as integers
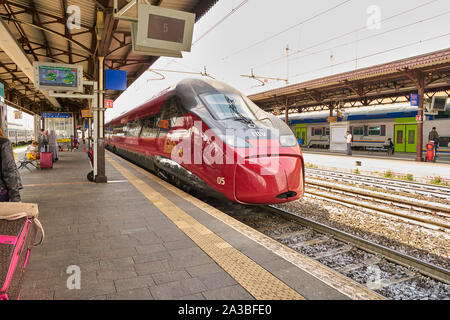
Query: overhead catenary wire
{"type": "Point", "coordinates": [234, 10]}
{"type": "Point", "coordinates": [374, 54]}
{"type": "Point", "coordinates": [280, 58]}
{"type": "Point", "coordinates": [287, 29]}
{"type": "Point", "coordinates": [371, 36]}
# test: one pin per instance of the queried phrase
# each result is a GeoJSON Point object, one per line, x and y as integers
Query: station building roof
{"type": "Point", "coordinates": [41, 31]}
{"type": "Point", "coordinates": [386, 83]}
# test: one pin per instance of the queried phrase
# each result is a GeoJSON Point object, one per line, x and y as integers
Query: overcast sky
{"type": "Point", "coordinates": [257, 33]}
{"type": "Point", "coordinates": [255, 36]}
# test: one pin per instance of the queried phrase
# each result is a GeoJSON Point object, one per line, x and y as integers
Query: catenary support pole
{"type": "Point", "coordinates": [421, 92]}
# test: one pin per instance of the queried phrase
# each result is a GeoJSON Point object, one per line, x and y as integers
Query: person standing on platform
{"type": "Point", "coordinates": [349, 138]}
{"type": "Point", "coordinates": [53, 145]}
{"type": "Point", "coordinates": [389, 145]}
{"type": "Point", "coordinates": [434, 136]}
{"type": "Point", "coordinates": [10, 182]}
{"type": "Point", "coordinates": [43, 141]}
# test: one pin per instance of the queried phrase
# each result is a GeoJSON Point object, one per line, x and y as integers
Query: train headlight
{"type": "Point", "coordinates": [288, 141]}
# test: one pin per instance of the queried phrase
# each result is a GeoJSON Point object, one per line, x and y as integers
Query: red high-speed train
{"type": "Point", "coordinates": [207, 135]}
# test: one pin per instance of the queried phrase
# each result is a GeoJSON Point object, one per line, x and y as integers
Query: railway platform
{"type": "Point", "coordinates": [137, 237]}
{"type": "Point", "coordinates": [398, 165]}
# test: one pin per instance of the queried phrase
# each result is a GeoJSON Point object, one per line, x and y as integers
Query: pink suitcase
{"type": "Point", "coordinates": [18, 230]}
{"type": "Point", "coordinates": [46, 160]}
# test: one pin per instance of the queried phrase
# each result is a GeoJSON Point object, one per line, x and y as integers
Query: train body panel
{"type": "Point", "coordinates": [202, 133]}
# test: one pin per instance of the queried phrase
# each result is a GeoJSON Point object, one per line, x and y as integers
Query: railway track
{"type": "Point", "coordinates": [426, 213]}
{"type": "Point", "coordinates": [390, 273]}
{"type": "Point", "coordinates": [389, 184]}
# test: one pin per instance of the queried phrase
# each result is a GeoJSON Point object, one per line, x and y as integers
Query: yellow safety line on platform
{"type": "Point", "coordinates": [260, 283]}
{"type": "Point", "coordinates": [344, 285]}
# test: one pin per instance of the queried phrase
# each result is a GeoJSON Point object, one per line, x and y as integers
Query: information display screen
{"type": "Point", "coordinates": [58, 76]}
{"type": "Point", "coordinates": [165, 28]}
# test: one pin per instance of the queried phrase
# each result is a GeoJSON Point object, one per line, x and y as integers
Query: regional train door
{"type": "Point", "coordinates": [301, 133]}
{"type": "Point", "coordinates": [405, 137]}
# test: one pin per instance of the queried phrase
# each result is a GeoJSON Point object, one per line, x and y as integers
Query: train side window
{"type": "Point", "coordinates": [374, 131]}
{"type": "Point", "coordinates": [118, 131]}
{"type": "Point", "coordinates": [317, 131]}
{"type": "Point", "coordinates": [149, 128]}
{"type": "Point", "coordinates": [132, 129]}
{"type": "Point", "coordinates": [358, 131]}
{"type": "Point", "coordinates": [171, 113]}
{"type": "Point", "coordinates": [327, 131]}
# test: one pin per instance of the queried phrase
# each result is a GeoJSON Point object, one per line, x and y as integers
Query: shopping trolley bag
{"type": "Point", "coordinates": [19, 228]}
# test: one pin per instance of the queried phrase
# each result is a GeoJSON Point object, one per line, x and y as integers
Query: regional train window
{"type": "Point", "coordinates": [227, 106]}
{"type": "Point", "coordinates": [317, 131]}
{"type": "Point", "coordinates": [358, 131]}
{"type": "Point", "coordinates": [327, 131]}
{"type": "Point", "coordinates": [374, 131]}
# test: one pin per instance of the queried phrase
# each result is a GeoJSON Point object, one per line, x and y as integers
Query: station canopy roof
{"type": "Point", "coordinates": [40, 30]}
{"type": "Point", "coordinates": [387, 83]}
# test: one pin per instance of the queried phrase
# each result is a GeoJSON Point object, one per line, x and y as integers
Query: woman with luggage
{"type": "Point", "coordinates": [10, 181]}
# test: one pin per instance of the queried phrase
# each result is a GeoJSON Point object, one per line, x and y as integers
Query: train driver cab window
{"type": "Point", "coordinates": [374, 131]}
{"type": "Point", "coordinates": [317, 131]}
{"type": "Point", "coordinates": [227, 106]}
{"type": "Point", "coordinates": [358, 131]}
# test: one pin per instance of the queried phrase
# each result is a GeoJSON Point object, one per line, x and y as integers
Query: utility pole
{"type": "Point", "coordinates": [287, 64]}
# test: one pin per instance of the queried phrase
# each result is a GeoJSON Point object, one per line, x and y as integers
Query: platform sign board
{"type": "Point", "coordinates": [56, 115]}
{"type": "Point", "coordinates": [87, 113]}
{"type": "Point", "coordinates": [414, 99]}
{"type": "Point", "coordinates": [332, 119]}
{"type": "Point", "coordinates": [2, 93]}
{"type": "Point", "coordinates": [163, 28]}
{"type": "Point", "coordinates": [115, 79]}
{"type": "Point", "coordinates": [109, 103]}
{"type": "Point", "coordinates": [58, 76]}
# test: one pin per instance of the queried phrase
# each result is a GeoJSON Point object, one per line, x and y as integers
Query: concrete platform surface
{"type": "Point", "coordinates": [136, 237]}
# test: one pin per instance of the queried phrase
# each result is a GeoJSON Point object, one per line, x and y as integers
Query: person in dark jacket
{"type": "Point", "coordinates": [43, 141]}
{"type": "Point", "coordinates": [10, 181]}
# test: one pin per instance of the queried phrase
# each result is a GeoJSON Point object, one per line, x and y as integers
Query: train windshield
{"type": "Point", "coordinates": [227, 106]}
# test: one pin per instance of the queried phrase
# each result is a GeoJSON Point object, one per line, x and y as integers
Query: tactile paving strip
{"type": "Point", "coordinates": [346, 286]}
{"type": "Point", "coordinates": [260, 283]}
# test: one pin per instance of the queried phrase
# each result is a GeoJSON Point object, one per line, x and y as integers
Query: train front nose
{"type": "Point", "coordinates": [269, 179]}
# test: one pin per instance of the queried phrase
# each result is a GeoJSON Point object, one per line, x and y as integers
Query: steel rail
{"type": "Point", "coordinates": [425, 268]}
{"type": "Point", "coordinates": [414, 186]}
{"type": "Point", "coordinates": [428, 206]}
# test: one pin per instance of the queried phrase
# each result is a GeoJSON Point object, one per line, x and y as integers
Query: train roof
{"type": "Point", "coordinates": [188, 89]}
{"type": "Point", "coordinates": [370, 112]}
